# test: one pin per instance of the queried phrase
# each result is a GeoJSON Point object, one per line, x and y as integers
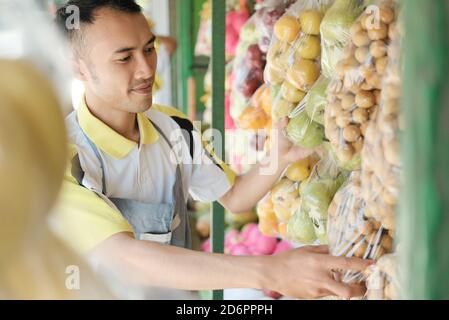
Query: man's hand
{"type": "Point", "coordinates": [306, 273]}
{"type": "Point", "coordinates": [285, 148]}
{"type": "Point", "coordinates": [251, 187]}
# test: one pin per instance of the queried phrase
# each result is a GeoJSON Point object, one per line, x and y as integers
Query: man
{"type": "Point", "coordinates": [124, 197]}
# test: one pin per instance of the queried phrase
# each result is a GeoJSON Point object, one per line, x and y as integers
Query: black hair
{"type": "Point", "coordinates": [87, 10]}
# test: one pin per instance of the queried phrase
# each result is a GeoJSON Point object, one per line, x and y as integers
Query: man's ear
{"type": "Point", "coordinates": [78, 68]}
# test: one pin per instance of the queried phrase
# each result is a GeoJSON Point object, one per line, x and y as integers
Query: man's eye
{"type": "Point", "coordinates": [125, 59]}
{"type": "Point", "coordinates": [149, 50]}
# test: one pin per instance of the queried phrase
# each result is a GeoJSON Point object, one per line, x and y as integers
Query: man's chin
{"type": "Point", "coordinates": [144, 104]}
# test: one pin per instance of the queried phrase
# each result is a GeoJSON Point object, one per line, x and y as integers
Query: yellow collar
{"type": "Point", "coordinates": [110, 141]}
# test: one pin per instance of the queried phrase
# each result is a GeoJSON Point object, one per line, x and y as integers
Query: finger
{"type": "Point", "coordinates": [345, 263]}
{"type": "Point", "coordinates": [345, 290]}
{"type": "Point", "coordinates": [283, 122]}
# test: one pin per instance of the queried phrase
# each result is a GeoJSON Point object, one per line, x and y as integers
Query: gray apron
{"type": "Point", "coordinates": [165, 223]}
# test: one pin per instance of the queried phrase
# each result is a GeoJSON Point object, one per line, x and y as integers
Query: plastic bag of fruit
{"type": "Point", "coordinates": [293, 64]}
{"type": "Point", "coordinates": [317, 100]}
{"type": "Point", "coordinates": [285, 198]}
{"type": "Point", "coordinates": [354, 94]}
{"type": "Point", "coordinates": [381, 163]}
{"type": "Point", "coordinates": [383, 279]}
{"type": "Point", "coordinates": [267, 13]}
{"type": "Point", "coordinates": [276, 209]}
{"type": "Point", "coordinates": [250, 59]}
{"type": "Point", "coordinates": [300, 228]}
{"type": "Point", "coordinates": [335, 32]}
{"type": "Point", "coordinates": [319, 190]}
{"type": "Point", "coordinates": [351, 233]}
{"type": "Point", "coordinates": [203, 46]}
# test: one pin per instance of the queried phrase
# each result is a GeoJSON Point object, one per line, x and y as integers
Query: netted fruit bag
{"type": "Point", "coordinates": [383, 281]}
{"type": "Point", "coordinates": [381, 162]}
{"type": "Point", "coordinates": [351, 233]}
{"type": "Point", "coordinates": [335, 32]}
{"type": "Point", "coordinates": [355, 91]}
{"type": "Point", "coordinates": [250, 58]}
{"type": "Point", "coordinates": [318, 192]}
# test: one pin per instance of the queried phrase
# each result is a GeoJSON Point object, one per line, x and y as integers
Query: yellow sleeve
{"type": "Point", "coordinates": [81, 218]}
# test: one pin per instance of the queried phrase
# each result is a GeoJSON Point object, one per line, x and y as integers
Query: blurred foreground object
{"type": "Point", "coordinates": [34, 264]}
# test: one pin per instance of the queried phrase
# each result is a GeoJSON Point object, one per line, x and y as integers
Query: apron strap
{"type": "Point", "coordinates": [97, 154]}
{"type": "Point", "coordinates": [100, 159]}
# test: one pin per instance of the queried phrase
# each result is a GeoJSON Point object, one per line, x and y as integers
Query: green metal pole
{"type": "Point", "coordinates": [424, 209]}
{"type": "Point", "coordinates": [218, 96]}
{"type": "Point", "coordinates": [184, 55]}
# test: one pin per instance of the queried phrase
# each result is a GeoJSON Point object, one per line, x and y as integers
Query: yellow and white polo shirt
{"type": "Point", "coordinates": [144, 172]}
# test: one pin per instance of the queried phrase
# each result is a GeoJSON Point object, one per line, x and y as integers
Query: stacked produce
{"type": "Point", "coordinates": [354, 94]}
{"type": "Point", "coordinates": [293, 67]}
{"type": "Point", "coordinates": [277, 208]}
{"type": "Point", "coordinates": [335, 32]}
{"type": "Point", "coordinates": [351, 233]}
{"type": "Point", "coordinates": [381, 165]}
{"type": "Point", "coordinates": [235, 19]}
{"type": "Point", "coordinates": [250, 56]}
{"type": "Point", "coordinates": [310, 221]}
{"type": "Point", "coordinates": [203, 46]}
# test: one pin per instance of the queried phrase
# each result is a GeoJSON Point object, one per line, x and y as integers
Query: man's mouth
{"type": "Point", "coordinates": [144, 89]}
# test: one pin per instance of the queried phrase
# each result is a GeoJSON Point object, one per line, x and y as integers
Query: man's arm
{"type": "Point", "coordinates": [248, 189]}
{"type": "Point", "coordinates": [301, 273]}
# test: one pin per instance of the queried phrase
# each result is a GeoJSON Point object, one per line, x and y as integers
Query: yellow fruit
{"type": "Point", "coordinates": [265, 210]}
{"type": "Point", "coordinates": [262, 99]}
{"type": "Point", "coordinates": [277, 56]}
{"type": "Point", "coordinates": [285, 199]}
{"type": "Point", "coordinates": [281, 109]}
{"type": "Point", "coordinates": [298, 171]}
{"type": "Point", "coordinates": [273, 76]}
{"type": "Point", "coordinates": [308, 48]}
{"type": "Point", "coordinates": [301, 186]}
{"type": "Point", "coordinates": [253, 119]}
{"type": "Point", "coordinates": [282, 229]}
{"type": "Point", "coordinates": [268, 229]}
{"type": "Point", "coordinates": [290, 93]}
{"type": "Point", "coordinates": [310, 22]}
{"type": "Point", "coordinates": [287, 28]}
{"type": "Point", "coordinates": [303, 74]}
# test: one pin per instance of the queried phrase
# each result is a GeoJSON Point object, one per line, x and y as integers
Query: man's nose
{"type": "Point", "coordinates": [144, 69]}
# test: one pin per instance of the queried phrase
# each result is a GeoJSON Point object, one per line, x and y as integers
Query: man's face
{"type": "Point", "coordinates": [119, 61]}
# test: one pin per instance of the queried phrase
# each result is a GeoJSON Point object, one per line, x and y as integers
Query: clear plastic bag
{"type": "Point", "coordinates": [354, 94]}
{"type": "Point", "coordinates": [317, 100]}
{"type": "Point", "coordinates": [293, 64]}
{"type": "Point", "coordinates": [285, 198]}
{"type": "Point", "coordinates": [268, 12]}
{"type": "Point", "coordinates": [350, 233]}
{"type": "Point", "coordinates": [383, 279]}
{"type": "Point", "coordinates": [250, 59]}
{"type": "Point", "coordinates": [300, 228]}
{"type": "Point", "coordinates": [335, 32]}
{"type": "Point", "coordinates": [277, 208]}
{"type": "Point", "coordinates": [381, 163]}
{"type": "Point", "coordinates": [203, 45]}
{"type": "Point", "coordinates": [319, 190]}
